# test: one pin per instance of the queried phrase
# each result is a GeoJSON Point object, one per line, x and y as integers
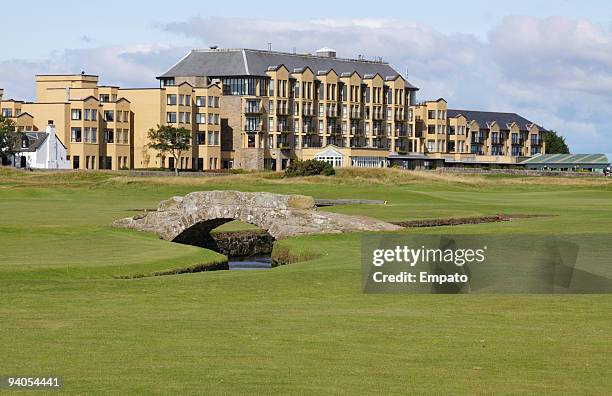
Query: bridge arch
{"type": "Point", "coordinates": [183, 219]}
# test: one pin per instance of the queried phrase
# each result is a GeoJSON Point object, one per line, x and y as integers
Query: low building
{"type": "Point", "coordinates": [41, 150]}
{"type": "Point", "coordinates": [568, 162]}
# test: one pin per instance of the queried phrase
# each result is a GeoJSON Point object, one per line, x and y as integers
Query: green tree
{"type": "Point", "coordinates": [310, 167]}
{"type": "Point", "coordinates": [555, 143]}
{"type": "Point", "coordinates": [170, 140]}
{"type": "Point", "coordinates": [9, 137]}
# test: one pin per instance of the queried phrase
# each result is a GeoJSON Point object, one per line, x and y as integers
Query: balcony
{"type": "Point", "coordinates": [250, 109]}
{"type": "Point", "coordinates": [252, 128]}
{"type": "Point", "coordinates": [378, 115]}
{"type": "Point", "coordinates": [477, 140]}
{"type": "Point", "coordinates": [356, 114]}
{"type": "Point", "coordinates": [283, 110]}
{"type": "Point", "coordinates": [536, 142]}
{"type": "Point", "coordinates": [308, 112]}
{"type": "Point", "coordinates": [331, 112]}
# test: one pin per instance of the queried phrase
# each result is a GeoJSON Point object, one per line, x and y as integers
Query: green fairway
{"type": "Point", "coordinates": [303, 328]}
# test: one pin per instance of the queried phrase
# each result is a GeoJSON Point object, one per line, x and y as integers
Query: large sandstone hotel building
{"type": "Point", "coordinates": [259, 109]}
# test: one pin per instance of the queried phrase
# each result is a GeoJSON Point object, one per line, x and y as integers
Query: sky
{"type": "Point", "coordinates": [550, 61]}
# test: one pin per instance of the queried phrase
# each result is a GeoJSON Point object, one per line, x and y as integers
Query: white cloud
{"type": "Point", "coordinates": [128, 66]}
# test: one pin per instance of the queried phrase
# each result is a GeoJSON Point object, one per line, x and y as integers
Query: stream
{"type": "Point", "coordinates": [250, 262]}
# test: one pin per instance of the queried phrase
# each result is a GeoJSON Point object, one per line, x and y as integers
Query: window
{"type": "Point", "coordinates": [216, 100]}
{"type": "Point", "coordinates": [271, 124]}
{"type": "Point", "coordinates": [171, 99]}
{"type": "Point", "coordinates": [210, 119]}
{"type": "Point", "coordinates": [431, 129]}
{"type": "Point", "coordinates": [216, 135]}
{"type": "Point", "coordinates": [171, 117]}
{"type": "Point", "coordinates": [296, 89]}
{"type": "Point", "coordinates": [211, 101]}
{"type": "Point", "coordinates": [94, 115]}
{"type": "Point", "coordinates": [109, 135]}
{"type": "Point", "coordinates": [271, 107]}
{"type": "Point", "coordinates": [216, 117]}
{"type": "Point", "coordinates": [200, 101]}
{"type": "Point", "coordinates": [7, 113]}
{"type": "Point", "coordinates": [76, 114]}
{"type": "Point", "coordinates": [181, 100]}
{"type": "Point", "coordinates": [86, 135]}
{"type": "Point", "coordinates": [187, 100]}
{"type": "Point", "coordinates": [94, 135]}
{"type": "Point", "coordinates": [104, 98]}
{"type": "Point", "coordinates": [75, 135]}
{"type": "Point", "coordinates": [431, 115]}
{"type": "Point", "coordinates": [200, 138]}
{"type": "Point", "coordinates": [109, 115]}
{"type": "Point", "coordinates": [119, 135]}
{"type": "Point", "coordinates": [210, 139]}
{"type": "Point", "coordinates": [271, 88]}
{"type": "Point", "coordinates": [181, 117]}
{"type": "Point", "coordinates": [200, 118]}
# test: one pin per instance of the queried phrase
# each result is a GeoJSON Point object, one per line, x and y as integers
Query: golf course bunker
{"type": "Point", "coordinates": [191, 218]}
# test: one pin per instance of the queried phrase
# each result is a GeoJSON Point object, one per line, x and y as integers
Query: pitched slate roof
{"type": "Point", "coordinates": [485, 117]}
{"type": "Point", "coordinates": [250, 62]}
{"type": "Point", "coordinates": [35, 139]}
{"type": "Point", "coordinates": [577, 159]}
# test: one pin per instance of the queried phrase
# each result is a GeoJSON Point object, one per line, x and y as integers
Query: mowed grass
{"type": "Point", "coordinates": [303, 328]}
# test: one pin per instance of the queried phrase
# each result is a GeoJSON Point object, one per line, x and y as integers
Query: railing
{"type": "Point", "coordinates": [331, 112]}
{"type": "Point", "coordinates": [308, 111]}
{"type": "Point", "coordinates": [253, 129]}
{"type": "Point", "coordinates": [356, 114]}
{"type": "Point", "coordinates": [249, 109]}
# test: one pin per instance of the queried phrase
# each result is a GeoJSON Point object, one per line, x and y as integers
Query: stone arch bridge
{"type": "Point", "coordinates": [190, 219]}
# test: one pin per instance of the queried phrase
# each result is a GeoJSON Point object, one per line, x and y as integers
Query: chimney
{"type": "Point", "coordinates": [326, 52]}
{"type": "Point", "coordinates": [51, 146]}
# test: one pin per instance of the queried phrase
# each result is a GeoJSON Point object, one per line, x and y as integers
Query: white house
{"type": "Point", "coordinates": [41, 150]}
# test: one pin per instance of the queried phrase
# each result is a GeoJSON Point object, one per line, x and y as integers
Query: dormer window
{"type": "Point", "coordinates": [25, 142]}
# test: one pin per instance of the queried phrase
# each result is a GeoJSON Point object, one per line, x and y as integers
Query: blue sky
{"type": "Point", "coordinates": [551, 61]}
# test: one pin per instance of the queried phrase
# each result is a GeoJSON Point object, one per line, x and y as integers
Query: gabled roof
{"type": "Point", "coordinates": [567, 159]}
{"type": "Point", "coordinates": [329, 151]}
{"type": "Point", "coordinates": [35, 139]}
{"type": "Point", "coordinates": [485, 117]}
{"type": "Point", "coordinates": [250, 62]}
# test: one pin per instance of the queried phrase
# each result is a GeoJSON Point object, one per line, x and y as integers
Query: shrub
{"type": "Point", "coordinates": [309, 168]}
